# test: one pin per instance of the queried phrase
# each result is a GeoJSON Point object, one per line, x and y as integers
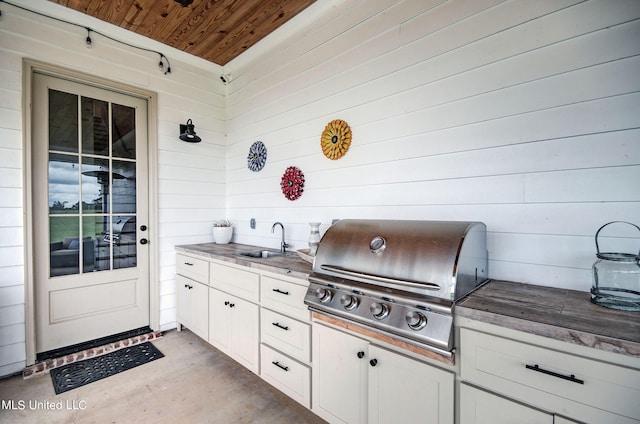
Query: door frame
{"type": "Point", "coordinates": [29, 66]}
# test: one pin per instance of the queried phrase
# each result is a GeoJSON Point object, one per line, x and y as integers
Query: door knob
{"type": "Point", "coordinates": [144, 241]}
{"type": "Point", "coordinates": [143, 228]}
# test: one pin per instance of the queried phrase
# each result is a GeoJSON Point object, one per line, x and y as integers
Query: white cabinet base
{"type": "Point", "coordinates": [357, 382]}
{"type": "Point", "coordinates": [287, 375]}
{"type": "Point", "coordinates": [481, 407]}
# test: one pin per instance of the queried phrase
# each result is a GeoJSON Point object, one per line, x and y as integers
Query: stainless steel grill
{"type": "Point", "coordinates": [399, 277]}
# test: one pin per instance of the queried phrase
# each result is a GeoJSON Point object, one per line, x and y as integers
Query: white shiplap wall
{"type": "Point", "coordinates": [191, 191]}
{"type": "Point", "coordinates": [522, 114]}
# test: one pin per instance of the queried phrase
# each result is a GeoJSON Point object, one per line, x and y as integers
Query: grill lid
{"type": "Point", "coordinates": [444, 259]}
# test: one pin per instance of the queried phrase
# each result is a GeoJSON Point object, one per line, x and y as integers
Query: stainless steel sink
{"type": "Point", "coordinates": [263, 254]}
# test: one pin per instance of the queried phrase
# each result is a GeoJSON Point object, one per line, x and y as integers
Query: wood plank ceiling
{"type": "Point", "coordinates": [215, 30]}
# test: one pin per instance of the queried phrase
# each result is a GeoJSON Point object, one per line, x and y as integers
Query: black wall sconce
{"type": "Point", "coordinates": [187, 133]}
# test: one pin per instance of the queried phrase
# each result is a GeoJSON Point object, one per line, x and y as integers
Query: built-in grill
{"type": "Point", "coordinates": [399, 277]}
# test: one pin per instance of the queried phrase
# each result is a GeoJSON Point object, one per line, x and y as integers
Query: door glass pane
{"type": "Point", "coordinates": [64, 188]}
{"type": "Point", "coordinates": [95, 185]}
{"type": "Point", "coordinates": [124, 187]}
{"type": "Point", "coordinates": [96, 229]}
{"type": "Point", "coordinates": [124, 248]}
{"type": "Point", "coordinates": [95, 126]}
{"type": "Point", "coordinates": [124, 131]}
{"type": "Point", "coordinates": [64, 248]}
{"type": "Point", "coordinates": [63, 121]}
{"type": "Point", "coordinates": [92, 197]}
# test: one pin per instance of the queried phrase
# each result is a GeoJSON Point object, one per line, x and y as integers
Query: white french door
{"type": "Point", "coordinates": [90, 203]}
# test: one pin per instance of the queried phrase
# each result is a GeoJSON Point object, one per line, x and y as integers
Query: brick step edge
{"type": "Point", "coordinates": [44, 367]}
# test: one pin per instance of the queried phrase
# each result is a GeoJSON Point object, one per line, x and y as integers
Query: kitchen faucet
{"type": "Point", "coordinates": [283, 244]}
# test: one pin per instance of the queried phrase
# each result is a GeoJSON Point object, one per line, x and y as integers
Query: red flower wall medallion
{"type": "Point", "coordinates": [292, 183]}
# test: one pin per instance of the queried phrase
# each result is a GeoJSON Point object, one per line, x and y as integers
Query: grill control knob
{"type": "Point", "coordinates": [379, 310]}
{"type": "Point", "coordinates": [416, 320]}
{"type": "Point", "coordinates": [349, 302]}
{"type": "Point", "coordinates": [323, 294]}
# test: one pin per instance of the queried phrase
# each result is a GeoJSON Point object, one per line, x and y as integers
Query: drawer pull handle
{"type": "Point", "coordinates": [571, 377]}
{"type": "Point", "coordinates": [286, 293]}
{"type": "Point", "coordinates": [279, 365]}
{"type": "Point", "coordinates": [188, 263]}
{"type": "Point", "coordinates": [277, 324]}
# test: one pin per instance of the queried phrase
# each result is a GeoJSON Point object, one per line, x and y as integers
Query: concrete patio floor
{"type": "Point", "coordinates": [193, 383]}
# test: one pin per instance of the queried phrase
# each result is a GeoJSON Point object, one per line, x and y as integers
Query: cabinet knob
{"type": "Point", "coordinates": [361, 354]}
{"type": "Point", "coordinates": [373, 362]}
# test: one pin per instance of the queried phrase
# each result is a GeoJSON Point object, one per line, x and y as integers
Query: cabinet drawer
{"type": "Point", "coordinates": [236, 281]}
{"type": "Point", "coordinates": [479, 407]}
{"type": "Point", "coordinates": [285, 297]}
{"type": "Point", "coordinates": [287, 375]}
{"type": "Point", "coordinates": [286, 334]}
{"type": "Point", "coordinates": [196, 269]}
{"type": "Point", "coordinates": [576, 386]}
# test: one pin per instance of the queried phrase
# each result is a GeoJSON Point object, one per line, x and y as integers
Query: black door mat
{"type": "Point", "coordinates": [77, 374]}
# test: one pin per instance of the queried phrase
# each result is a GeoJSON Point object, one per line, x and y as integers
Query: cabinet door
{"type": "Point", "coordinates": [245, 336]}
{"type": "Point", "coordinates": [479, 407]}
{"type": "Point", "coordinates": [219, 320]}
{"type": "Point", "coordinates": [339, 381]}
{"type": "Point", "coordinates": [200, 309]}
{"type": "Point", "coordinates": [184, 300]}
{"type": "Point", "coordinates": [403, 390]}
{"type": "Point", "coordinates": [193, 308]}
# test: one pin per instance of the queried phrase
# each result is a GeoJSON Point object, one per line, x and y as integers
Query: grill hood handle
{"type": "Point", "coordinates": [381, 279]}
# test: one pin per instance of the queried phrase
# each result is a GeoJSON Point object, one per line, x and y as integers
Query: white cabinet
{"type": "Point", "coordinates": [403, 390]}
{"type": "Point", "coordinates": [192, 293]}
{"type": "Point", "coordinates": [234, 328]}
{"type": "Point", "coordinates": [193, 308]}
{"type": "Point", "coordinates": [552, 380]}
{"type": "Point", "coordinates": [194, 268]}
{"type": "Point", "coordinates": [355, 381]}
{"type": "Point", "coordinates": [481, 407]}
{"type": "Point", "coordinates": [234, 318]}
{"type": "Point", "coordinates": [286, 337]}
{"type": "Point", "coordinates": [235, 280]}
{"type": "Point", "coordinates": [339, 381]}
{"type": "Point", "coordinates": [286, 297]}
{"type": "Point", "coordinates": [288, 375]}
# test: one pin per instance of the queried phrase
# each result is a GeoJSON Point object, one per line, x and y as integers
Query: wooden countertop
{"type": "Point", "coordinates": [565, 315]}
{"type": "Point", "coordinates": [290, 265]}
